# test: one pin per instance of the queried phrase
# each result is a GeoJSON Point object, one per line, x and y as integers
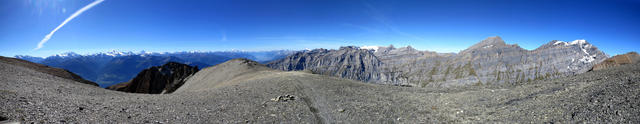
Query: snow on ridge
{"type": "Point", "coordinates": [560, 42]}
{"type": "Point", "coordinates": [488, 46]}
{"type": "Point", "coordinates": [588, 58]}
{"type": "Point", "coordinates": [67, 54]}
{"type": "Point", "coordinates": [579, 41]}
{"type": "Point", "coordinates": [374, 48]}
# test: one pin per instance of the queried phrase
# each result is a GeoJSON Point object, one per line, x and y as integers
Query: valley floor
{"type": "Point", "coordinates": [610, 96]}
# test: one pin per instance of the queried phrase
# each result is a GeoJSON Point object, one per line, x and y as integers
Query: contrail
{"type": "Point", "coordinates": [80, 11]}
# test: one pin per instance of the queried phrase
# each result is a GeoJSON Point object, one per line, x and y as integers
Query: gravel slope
{"type": "Point", "coordinates": [609, 95]}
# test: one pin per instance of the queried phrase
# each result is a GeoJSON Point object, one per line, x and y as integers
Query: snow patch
{"type": "Point", "coordinates": [587, 59]}
{"type": "Point", "coordinates": [560, 42]}
{"type": "Point", "coordinates": [374, 48]}
{"type": "Point", "coordinates": [67, 54]}
{"type": "Point", "coordinates": [488, 46]}
{"type": "Point", "coordinates": [579, 42]}
{"type": "Point", "coordinates": [118, 53]}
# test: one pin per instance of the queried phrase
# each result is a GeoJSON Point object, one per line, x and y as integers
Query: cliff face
{"type": "Point", "coordinates": [628, 58]}
{"type": "Point", "coordinates": [490, 61]}
{"type": "Point", "coordinates": [346, 62]}
{"type": "Point", "coordinates": [158, 79]}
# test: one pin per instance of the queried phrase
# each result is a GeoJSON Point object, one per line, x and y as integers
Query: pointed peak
{"type": "Point", "coordinates": [409, 47]}
{"type": "Point", "coordinates": [491, 43]}
{"type": "Point", "coordinates": [579, 42]}
{"type": "Point", "coordinates": [348, 47]}
{"type": "Point", "coordinates": [492, 40]}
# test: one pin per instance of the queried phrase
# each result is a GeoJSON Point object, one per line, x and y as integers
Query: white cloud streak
{"type": "Point", "coordinates": [74, 15]}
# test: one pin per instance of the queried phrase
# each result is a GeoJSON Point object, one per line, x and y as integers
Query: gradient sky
{"type": "Point", "coordinates": [219, 25]}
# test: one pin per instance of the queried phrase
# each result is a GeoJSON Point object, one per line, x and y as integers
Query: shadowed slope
{"type": "Point", "coordinates": [46, 69]}
{"type": "Point", "coordinates": [158, 79]}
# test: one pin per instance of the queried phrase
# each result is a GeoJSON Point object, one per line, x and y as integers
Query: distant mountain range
{"type": "Point", "coordinates": [114, 67]}
{"type": "Point", "coordinates": [245, 91]}
{"type": "Point", "coordinates": [490, 61]}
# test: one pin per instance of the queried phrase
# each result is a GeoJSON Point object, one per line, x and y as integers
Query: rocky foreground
{"type": "Point", "coordinates": [243, 91]}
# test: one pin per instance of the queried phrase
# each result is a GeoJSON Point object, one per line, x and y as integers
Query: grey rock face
{"type": "Point", "coordinates": [346, 62]}
{"type": "Point", "coordinates": [489, 61]}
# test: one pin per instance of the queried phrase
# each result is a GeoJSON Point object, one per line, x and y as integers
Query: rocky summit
{"type": "Point", "coordinates": [158, 79]}
{"type": "Point", "coordinates": [491, 61]}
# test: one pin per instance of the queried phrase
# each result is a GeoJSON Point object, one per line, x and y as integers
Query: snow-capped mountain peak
{"type": "Point", "coordinates": [575, 42]}
{"type": "Point", "coordinates": [579, 41]}
{"type": "Point", "coordinates": [67, 54]}
{"type": "Point", "coordinates": [118, 53]}
{"type": "Point", "coordinates": [584, 46]}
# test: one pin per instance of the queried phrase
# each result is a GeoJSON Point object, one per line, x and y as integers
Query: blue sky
{"type": "Point", "coordinates": [219, 25]}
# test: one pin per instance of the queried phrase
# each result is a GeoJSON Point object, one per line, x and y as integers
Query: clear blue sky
{"type": "Point", "coordinates": [216, 25]}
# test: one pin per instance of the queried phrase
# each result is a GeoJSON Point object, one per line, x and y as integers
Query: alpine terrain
{"type": "Point", "coordinates": [109, 68]}
{"type": "Point", "coordinates": [245, 91]}
{"type": "Point", "coordinates": [490, 61]}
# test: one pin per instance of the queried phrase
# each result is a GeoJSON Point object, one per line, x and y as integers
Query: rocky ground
{"type": "Point", "coordinates": [269, 96]}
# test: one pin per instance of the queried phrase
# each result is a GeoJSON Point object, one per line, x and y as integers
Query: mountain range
{"type": "Point", "coordinates": [491, 61]}
{"type": "Point", "coordinates": [114, 67]}
{"type": "Point", "coordinates": [245, 91]}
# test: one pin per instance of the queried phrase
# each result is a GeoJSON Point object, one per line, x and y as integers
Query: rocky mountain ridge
{"type": "Point", "coordinates": [346, 62]}
{"type": "Point", "coordinates": [490, 61]}
{"type": "Point", "coordinates": [624, 59]}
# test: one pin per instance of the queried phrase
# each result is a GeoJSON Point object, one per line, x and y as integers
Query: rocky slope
{"type": "Point", "coordinates": [628, 58]}
{"type": "Point", "coordinates": [257, 94]}
{"type": "Point", "coordinates": [62, 73]}
{"type": "Point", "coordinates": [489, 61]}
{"type": "Point", "coordinates": [158, 79]}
